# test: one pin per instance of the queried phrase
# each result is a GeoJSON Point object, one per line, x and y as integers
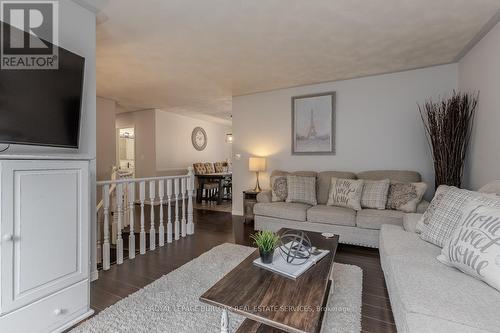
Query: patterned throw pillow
{"type": "Point", "coordinates": [405, 197]}
{"type": "Point", "coordinates": [474, 246]}
{"type": "Point", "coordinates": [435, 203]}
{"type": "Point", "coordinates": [345, 193]}
{"type": "Point", "coordinates": [301, 189]}
{"type": "Point", "coordinates": [279, 190]}
{"type": "Point", "coordinates": [375, 193]}
{"type": "Point", "coordinates": [444, 213]}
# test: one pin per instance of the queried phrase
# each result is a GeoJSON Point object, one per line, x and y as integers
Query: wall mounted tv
{"type": "Point", "coordinates": [42, 106]}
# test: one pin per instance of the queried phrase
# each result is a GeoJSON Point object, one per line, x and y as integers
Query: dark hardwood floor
{"type": "Point", "coordinates": [213, 228]}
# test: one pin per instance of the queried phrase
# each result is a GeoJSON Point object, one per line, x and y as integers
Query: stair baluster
{"type": "Point", "coordinates": [183, 221]}
{"type": "Point", "coordinates": [106, 246]}
{"type": "Point", "coordinates": [119, 240]}
{"type": "Point", "coordinates": [169, 211]}
{"type": "Point", "coordinates": [190, 225]}
{"type": "Point", "coordinates": [161, 228]}
{"type": "Point", "coordinates": [152, 231]}
{"type": "Point", "coordinates": [142, 235]}
{"type": "Point", "coordinates": [177, 197]}
{"type": "Point", "coordinates": [131, 236]}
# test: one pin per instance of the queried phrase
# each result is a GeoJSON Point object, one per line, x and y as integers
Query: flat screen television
{"type": "Point", "coordinates": [43, 106]}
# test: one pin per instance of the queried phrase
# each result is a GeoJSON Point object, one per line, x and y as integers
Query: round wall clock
{"type": "Point", "coordinates": [199, 138]}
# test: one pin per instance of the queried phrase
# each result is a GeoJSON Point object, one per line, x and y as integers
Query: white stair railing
{"type": "Point", "coordinates": [122, 206]}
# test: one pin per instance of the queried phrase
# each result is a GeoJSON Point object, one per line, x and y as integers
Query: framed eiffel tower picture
{"type": "Point", "coordinates": [313, 124]}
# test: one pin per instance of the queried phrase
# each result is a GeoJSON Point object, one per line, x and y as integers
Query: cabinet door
{"type": "Point", "coordinates": [44, 229]}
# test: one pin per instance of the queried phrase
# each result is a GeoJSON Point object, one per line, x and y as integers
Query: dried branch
{"type": "Point", "coordinates": [448, 125]}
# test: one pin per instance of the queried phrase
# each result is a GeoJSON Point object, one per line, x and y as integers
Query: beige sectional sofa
{"type": "Point", "coordinates": [358, 228]}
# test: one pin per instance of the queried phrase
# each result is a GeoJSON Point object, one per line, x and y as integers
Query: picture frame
{"type": "Point", "coordinates": [313, 124]}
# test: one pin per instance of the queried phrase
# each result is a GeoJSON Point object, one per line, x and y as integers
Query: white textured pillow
{"type": "Point", "coordinates": [345, 193]}
{"type": "Point", "coordinates": [375, 193]}
{"type": "Point", "coordinates": [301, 189]}
{"type": "Point", "coordinates": [445, 210]}
{"type": "Point", "coordinates": [474, 246]}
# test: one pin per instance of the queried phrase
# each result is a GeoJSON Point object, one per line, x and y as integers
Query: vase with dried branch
{"type": "Point", "coordinates": [448, 125]}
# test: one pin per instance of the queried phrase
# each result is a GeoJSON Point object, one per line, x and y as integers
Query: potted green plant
{"type": "Point", "coordinates": [267, 242]}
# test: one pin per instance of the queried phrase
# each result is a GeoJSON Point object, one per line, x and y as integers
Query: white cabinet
{"type": "Point", "coordinates": [44, 249]}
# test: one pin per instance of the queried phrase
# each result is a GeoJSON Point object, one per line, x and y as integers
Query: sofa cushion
{"type": "Point", "coordinates": [264, 196]}
{"type": "Point", "coordinates": [411, 221]}
{"type": "Point", "coordinates": [394, 175]}
{"type": "Point", "coordinates": [442, 292]}
{"type": "Point", "coordinates": [332, 215]}
{"type": "Point", "coordinates": [375, 218]}
{"type": "Point", "coordinates": [395, 241]}
{"type": "Point", "coordinates": [491, 188]}
{"type": "Point", "coordinates": [284, 210]}
{"type": "Point", "coordinates": [419, 285]}
{"type": "Point", "coordinates": [324, 180]}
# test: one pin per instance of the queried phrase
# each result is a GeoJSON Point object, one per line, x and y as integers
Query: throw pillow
{"type": "Point", "coordinates": [345, 193]}
{"type": "Point", "coordinates": [445, 211]}
{"type": "Point", "coordinates": [405, 197]}
{"type": "Point", "coordinates": [301, 189]}
{"type": "Point", "coordinates": [279, 190]}
{"type": "Point", "coordinates": [375, 193]}
{"type": "Point", "coordinates": [435, 203]}
{"type": "Point", "coordinates": [474, 246]}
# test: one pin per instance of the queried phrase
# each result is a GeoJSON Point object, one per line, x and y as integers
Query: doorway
{"type": "Point", "coordinates": [126, 151]}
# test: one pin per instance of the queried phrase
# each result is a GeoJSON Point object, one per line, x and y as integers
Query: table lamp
{"type": "Point", "coordinates": [257, 164]}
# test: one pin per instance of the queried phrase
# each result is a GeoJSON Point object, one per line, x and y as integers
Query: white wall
{"type": "Point", "coordinates": [378, 126]}
{"type": "Point", "coordinates": [163, 141]}
{"type": "Point", "coordinates": [106, 136]}
{"type": "Point", "coordinates": [174, 149]}
{"type": "Point", "coordinates": [480, 70]}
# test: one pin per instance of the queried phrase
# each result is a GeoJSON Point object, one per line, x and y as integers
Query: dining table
{"type": "Point", "coordinates": [216, 177]}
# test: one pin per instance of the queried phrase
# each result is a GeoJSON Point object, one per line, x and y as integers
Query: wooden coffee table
{"type": "Point", "coordinates": [271, 302]}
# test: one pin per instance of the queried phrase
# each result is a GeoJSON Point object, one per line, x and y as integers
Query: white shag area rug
{"type": "Point", "coordinates": [171, 303]}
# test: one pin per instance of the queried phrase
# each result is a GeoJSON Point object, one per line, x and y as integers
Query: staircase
{"type": "Point", "coordinates": [124, 223]}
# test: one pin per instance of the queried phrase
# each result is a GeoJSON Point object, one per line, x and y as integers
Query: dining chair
{"type": "Point", "coordinates": [219, 167]}
{"type": "Point", "coordinates": [207, 191]}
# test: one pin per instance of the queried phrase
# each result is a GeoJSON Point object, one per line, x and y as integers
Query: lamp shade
{"type": "Point", "coordinates": [257, 164]}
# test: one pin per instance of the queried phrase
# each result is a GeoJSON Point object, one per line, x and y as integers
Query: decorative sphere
{"type": "Point", "coordinates": [295, 247]}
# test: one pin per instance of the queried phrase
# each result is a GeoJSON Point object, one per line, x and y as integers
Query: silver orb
{"type": "Point", "coordinates": [295, 247]}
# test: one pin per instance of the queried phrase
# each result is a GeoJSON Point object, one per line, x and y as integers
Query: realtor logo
{"type": "Point", "coordinates": [29, 35]}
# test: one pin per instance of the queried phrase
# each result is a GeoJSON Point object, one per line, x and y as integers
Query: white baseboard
{"type": "Point", "coordinates": [94, 276]}
{"type": "Point", "coordinates": [74, 321]}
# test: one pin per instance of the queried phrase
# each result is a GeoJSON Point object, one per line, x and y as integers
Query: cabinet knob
{"type": "Point", "coordinates": [58, 312]}
{"type": "Point", "coordinates": [8, 238]}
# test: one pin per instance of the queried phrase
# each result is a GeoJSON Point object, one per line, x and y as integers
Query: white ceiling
{"type": "Point", "coordinates": [191, 56]}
